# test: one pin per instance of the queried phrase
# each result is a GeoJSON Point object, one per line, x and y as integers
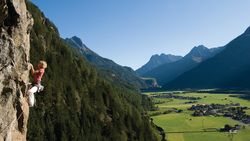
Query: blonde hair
{"type": "Point", "coordinates": [43, 63]}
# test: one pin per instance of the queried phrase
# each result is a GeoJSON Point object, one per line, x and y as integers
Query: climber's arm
{"type": "Point", "coordinates": [32, 70]}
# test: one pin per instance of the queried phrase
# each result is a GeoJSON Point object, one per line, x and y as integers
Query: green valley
{"type": "Point", "coordinates": [173, 116]}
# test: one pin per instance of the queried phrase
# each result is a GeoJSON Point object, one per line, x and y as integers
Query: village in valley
{"type": "Point", "coordinates": [234, 111]}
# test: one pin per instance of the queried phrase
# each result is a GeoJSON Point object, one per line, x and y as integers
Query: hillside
{"type": "Point", "coordinates": [157, 60]}
{"type": "Point", "coordinates": [228, 69]}
{"type": "Point", "coordinates": [78, 103]}
{"type": "Point", "coordinates": [167, 72]}
{"type": "Point", "coordinates": [107, 66]}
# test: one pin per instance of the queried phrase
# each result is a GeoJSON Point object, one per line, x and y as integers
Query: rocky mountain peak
{"type": "Point", "coordinates": [198, 53]}
{"type": "Point", "coordinates": [77, 43]}
{"type": "Point", "coordinates": [157, 60]}
{"type": "Point", "coordinates": [199, 49]}
{"type": "Point", "coordinates": [77, 40]}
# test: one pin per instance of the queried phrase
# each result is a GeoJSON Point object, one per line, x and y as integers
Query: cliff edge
{"type": "Point", "coordinates": [15, 25]}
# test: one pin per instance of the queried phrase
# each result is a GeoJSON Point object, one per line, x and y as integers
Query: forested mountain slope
{"type": "Point", "coordinates": [77, 104]}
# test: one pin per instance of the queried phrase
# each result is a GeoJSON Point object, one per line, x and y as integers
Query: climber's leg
{"type": "Point", "coordinates": [31, 96]}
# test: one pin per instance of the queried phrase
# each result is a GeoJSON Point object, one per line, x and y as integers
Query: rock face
{"type": "Point", "coordinates": [15, 24]}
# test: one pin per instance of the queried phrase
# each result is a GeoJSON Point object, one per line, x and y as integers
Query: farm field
{"type": "Point", "coordinates": [184, 122]}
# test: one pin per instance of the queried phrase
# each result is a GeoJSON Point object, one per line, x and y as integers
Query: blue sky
{"type": "Point", "coordinates": [130, 31]}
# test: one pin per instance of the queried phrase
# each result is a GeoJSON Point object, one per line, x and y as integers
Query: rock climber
{"type": "Point", "coordinates": [36, 85]}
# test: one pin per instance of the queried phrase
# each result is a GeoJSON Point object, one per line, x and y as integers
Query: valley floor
{"type": "Point", "coordinates": [180, 125]}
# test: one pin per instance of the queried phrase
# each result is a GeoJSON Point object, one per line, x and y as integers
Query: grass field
{"type": "Point", "coordinates": [176, 122]}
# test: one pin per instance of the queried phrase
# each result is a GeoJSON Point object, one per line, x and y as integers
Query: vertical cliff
{"type": "Point", "coordinates": [15, 25]}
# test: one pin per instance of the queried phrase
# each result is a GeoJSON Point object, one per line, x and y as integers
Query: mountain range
{"type": "Point", "coordinates": [201, 68]}
{"type": "Point", "coordinates": [169, 71]}
{"type": "Point", "coordinates": [228, 69]}
{"type": "Point", "coordinates": [157, 60]}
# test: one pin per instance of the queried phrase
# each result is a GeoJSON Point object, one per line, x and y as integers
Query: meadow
{"type": "Point", "coordinates": [184, 122]}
